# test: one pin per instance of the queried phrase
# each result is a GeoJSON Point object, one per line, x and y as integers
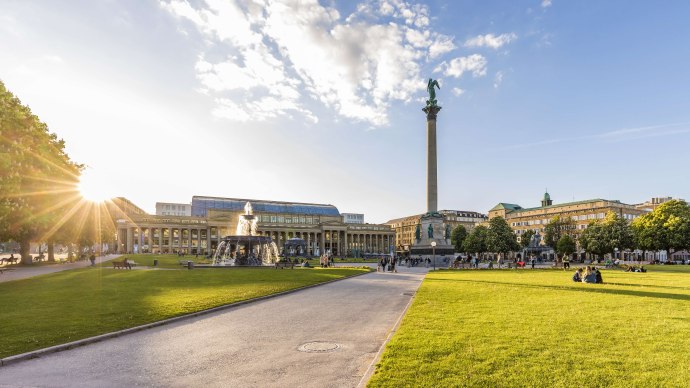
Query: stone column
{"type": "Point", "coordinates": [345, 248]}
{"type": "Point", "coordinates": [322, 241]}
{"type": "Point", "coordinates": [130, 240]}
{"type": "Point", "coordinates": [431, 185]}
{"type": "Point", "coordinates": [170, 240]}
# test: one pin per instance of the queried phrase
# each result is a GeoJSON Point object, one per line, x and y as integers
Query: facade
{"type": "Point", "coordinates": [173, 209]}
{"type": "Point", "coordinates": [353, 218]}
{"type": "Point", "coordinates": [212, 218]}
{"type": "Point", "coordinates": [405, 227]}
{"type": "Point", "coordinates": [581, 212]}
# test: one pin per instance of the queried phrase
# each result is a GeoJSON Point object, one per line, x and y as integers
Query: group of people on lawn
{"type": "Point", "coordinates": [590, 274]}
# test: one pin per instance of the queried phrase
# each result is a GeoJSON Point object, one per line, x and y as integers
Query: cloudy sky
{"type": "Point", "coordinates": [320, 101]}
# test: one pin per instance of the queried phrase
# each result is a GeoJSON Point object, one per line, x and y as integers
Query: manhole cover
{"type": "Point", "coordinates": [318, 347]}
{"type": "Point", "coordinates": [408, 293]}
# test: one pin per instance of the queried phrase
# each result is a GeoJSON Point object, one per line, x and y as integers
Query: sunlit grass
{"type": "Point", "coordinates": [61, 307]}
{"type": "Point", "coordinates": [538, 328]}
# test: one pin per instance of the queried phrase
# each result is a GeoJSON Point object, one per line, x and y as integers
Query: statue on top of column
{"type": "Point", "coordinates": [432, 92]}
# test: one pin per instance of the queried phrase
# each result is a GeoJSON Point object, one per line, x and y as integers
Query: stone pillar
{"type": "Point", "coordinates": [322, 241]}
{"type": "Point", "coordinates": [170, 240]}
{"type": "Point", "coordinates": [345, 247]}
{"type": "Point", "coordinates": [208, 240]}
{"type": "Point", "coordinates": [130, 240]}
{"type": "Point", "coordinates": [431, 185]}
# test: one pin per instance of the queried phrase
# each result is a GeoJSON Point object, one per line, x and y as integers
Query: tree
{"type": "Point", "coordinates": [475, 242]}
{"type": "Point", "coordinates": [665, 228]}
{"type": "Point", "coordinates": [557, 228]}
{"type": "Point", "coordinates": [458, 237]}
{"type": "Point", "coordinates": [565, 245]}
{"type": "Point", "coordinates": [606, 235]}
{"type": "Point", "coordinates": [500, 237]}
{"type": "Point", "coordinates": [526, 237]}
{"type": "Point", "coordinates": [36, 175]}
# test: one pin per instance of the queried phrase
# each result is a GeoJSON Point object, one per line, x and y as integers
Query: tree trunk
{"type": "Point", "coordinates": [70, 252]}
{"type": "Point", "coordinates": [51, 251]}
{"type": "Point", "coordinates": [24, 246]}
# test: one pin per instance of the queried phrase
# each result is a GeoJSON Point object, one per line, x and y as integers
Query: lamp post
{"type": "Point", "coordinates": [433, 253]}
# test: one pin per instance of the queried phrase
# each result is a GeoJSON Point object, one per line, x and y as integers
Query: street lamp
{"type": "Point", "coordinates": [433, 253]}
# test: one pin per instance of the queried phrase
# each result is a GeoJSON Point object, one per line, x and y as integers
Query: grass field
{"type": "Point", "coordinates": [537, 328]}
{"type": "Point", "coordinates": [61, 307]}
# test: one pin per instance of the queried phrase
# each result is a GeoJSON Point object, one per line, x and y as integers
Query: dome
{"type": "Point", "coordinates": [547, 197]}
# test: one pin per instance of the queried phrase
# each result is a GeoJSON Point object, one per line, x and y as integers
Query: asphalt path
{"type": "Point", "coordinates": [253, 345]}
{"type": "Point", "coordinates": [23, 272]}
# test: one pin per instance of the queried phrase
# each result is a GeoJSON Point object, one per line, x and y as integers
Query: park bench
{"type": "Point", "coordinates": [10, 260]}
{"type": "Point", "coordinates": [285, 264]}
{"type": "Point", "coordinates": [121, 264]}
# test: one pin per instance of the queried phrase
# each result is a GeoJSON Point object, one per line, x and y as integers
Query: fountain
{"type": "Point", "coordinates": [245, 247]}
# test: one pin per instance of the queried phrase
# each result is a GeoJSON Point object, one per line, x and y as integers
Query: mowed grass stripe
{"type": "Point", "coordinates": [538, 328]}
{"type": "Point", "coordinates": [62, 307]}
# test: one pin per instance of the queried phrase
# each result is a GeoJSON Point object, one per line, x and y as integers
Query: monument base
{"type": "Point", "coordinates": [443, 253]}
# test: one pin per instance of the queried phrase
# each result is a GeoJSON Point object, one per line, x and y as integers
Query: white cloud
{"type": "Point", "coordinates": [457, 91]}
{"type": "Point", "coordinates": [491, 40]}
{"type": "Point", "coordinates": [281, 53]}
{"type": "Point", "coordinates": [545, 3]}
{"type": "Point", "coordinates": [441, 45]}
{"type": "Point", "coordinates": [475, 63]}
{"type": "Point", "coordinates": [498, 79]}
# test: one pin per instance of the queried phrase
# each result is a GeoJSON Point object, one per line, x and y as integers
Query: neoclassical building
{"type": "Point", "coordinates": [581, 212]}
{"type": "Point", "coordinates": [212, 218]}
{"type": "Point", "coordinates": [405, 227]}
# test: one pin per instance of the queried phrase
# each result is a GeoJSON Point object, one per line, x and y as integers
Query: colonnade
{"type": "Point", "coordinates": [169, 239]}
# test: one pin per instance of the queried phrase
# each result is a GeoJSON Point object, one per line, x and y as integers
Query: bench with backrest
{"type": "Point", "coordinates": [121, 264]}
{"type": "Point", "coordinates": [10, 260]}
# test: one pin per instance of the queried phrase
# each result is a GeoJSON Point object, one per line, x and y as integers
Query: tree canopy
{"type": "Point", "coordinates": [37, 177]}
{"type": "Point", "coordinates": [500, 237]}
{"type": "Point", "coordinates": [665, 228]}
{"type": "Point", "coordinates": [475, 242]}
{"type": "Point", "coordinates": [606, 235]}
{"type": "Point", "coordinates": [457, 237]}
{"type": "Point", "coordinates": [566, 245]}
{"type": "Point", "coordinates": [557, 228]}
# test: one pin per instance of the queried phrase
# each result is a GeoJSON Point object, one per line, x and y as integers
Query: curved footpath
{"type": "Point", "coordinates": [253, 345]}
{"type": "Point", "coordinates": [20, 272]}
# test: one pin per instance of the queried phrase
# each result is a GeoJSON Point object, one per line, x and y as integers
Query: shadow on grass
{"type": "Point", "coordinates": [595, 288]}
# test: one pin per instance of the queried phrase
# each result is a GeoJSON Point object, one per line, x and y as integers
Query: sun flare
{"type": "Point", "coordinates": [94, 187]}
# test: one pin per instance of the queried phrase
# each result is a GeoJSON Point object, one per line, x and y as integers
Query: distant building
{"type": "Point", "coordinates": [209, 219]}
{"type": "Point", "coordinates": [581, 212]}
{"type": "Point", "coordinates": [653, 203]}
{"type": "Point", "coordinates": [173, 209]}
{"type": "Point", "coordinates": [353, 218]}
{"type": "Point", "coordinates": [405, 227]}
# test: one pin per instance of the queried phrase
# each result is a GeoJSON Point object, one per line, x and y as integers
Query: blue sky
{"type": "Point", "coordinates": [321, 101]}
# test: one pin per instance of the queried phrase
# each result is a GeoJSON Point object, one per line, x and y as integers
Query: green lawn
{"type": "Point", "coordinates": [164, 261]}
{"type": "Point", "coordinates": [65, 306]}
{"type": "Point", "coordinates": [538, 328]}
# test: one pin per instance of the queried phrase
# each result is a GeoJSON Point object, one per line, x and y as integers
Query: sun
{"type": "Point", "coordinates": [94, 187]}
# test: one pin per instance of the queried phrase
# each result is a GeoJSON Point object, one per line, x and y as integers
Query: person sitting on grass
{"type": "Point", "coordinates": [597, 275]}
{"type": "Point", "coordinates": [589, 276]}
{"type": "Point", "coordinates": [577, 277]}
